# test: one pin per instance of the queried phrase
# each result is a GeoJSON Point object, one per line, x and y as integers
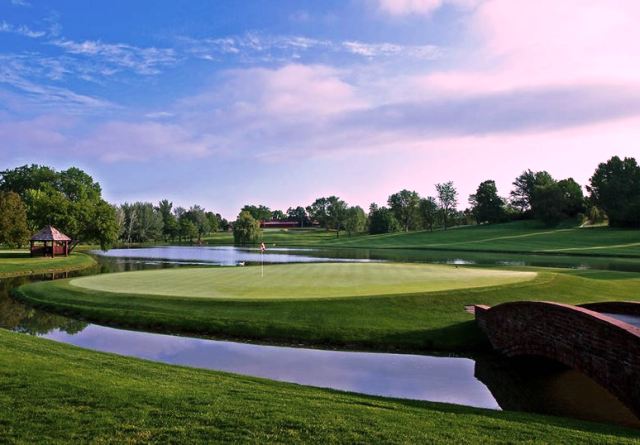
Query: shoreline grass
{"type": "Point", "coordinates": [58, 393]}
{"type": "Point", "coordinates": [14, 263]}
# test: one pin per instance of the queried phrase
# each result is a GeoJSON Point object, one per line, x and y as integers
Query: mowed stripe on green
{"type": "Point", "coordinates": [312, 280]}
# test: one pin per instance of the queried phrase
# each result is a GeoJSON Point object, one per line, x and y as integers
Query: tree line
{"type": "Point", "coordinates": [32, 196]}
{"type": "Point", "coordinates": [613, 196]}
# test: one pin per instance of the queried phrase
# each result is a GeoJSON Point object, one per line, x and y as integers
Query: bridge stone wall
{"type": "Point", "coordinates": [603, 348]}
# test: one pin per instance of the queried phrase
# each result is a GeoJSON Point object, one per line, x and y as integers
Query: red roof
{"type": "Point", "coordinates": [50, 233]}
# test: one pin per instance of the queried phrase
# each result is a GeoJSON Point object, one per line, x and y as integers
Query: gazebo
{"type": "Point", "coordinates": [54, 243]}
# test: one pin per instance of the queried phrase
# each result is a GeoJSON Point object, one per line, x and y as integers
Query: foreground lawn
{"type": "Point", "coordinates": [300, 280]}
{"type": "Point", "coordinates": [18, 262]}
{"type": "Point", "coordinates": [55, 393]}
{"type": "Point", "coordinates": [514, 237]}
{"type": "Point", "coordinates": [432, 321]}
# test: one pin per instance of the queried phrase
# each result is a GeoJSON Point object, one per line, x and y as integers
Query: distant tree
{"type": "Point", "coordinates": [615, 188]}
{"type": "Point", "coordinates": [428, 211]}
{"type": "Point", "coordinates": [329, 212]}
{"type": "Point", "coordinates": [260, 212]}
{"type": "Point", "coordinates": [573, 197]}
{"type": "Point", "coordinates": [169, 220]}
{"type": "Point", "coordinates": [214, 221]}
{"type": "Point", "coordinates": [487, 206]}
{"type": "Point", "coordinates": [548, 203]}
{"type": "Point", "coordinates": [404, 206]}
{"type": "Point", "coordinates": [298, 214]}
{"type": "Point", "coordinates": [246, 229]}
{"type": "Point", "coordinates": [524, 186]}
{"type": "Point", "coordinates": [382, 220]}
{"type": "Point", "coordinates": [104, 225]}
{"type": "Point", "coordinates": [448, 198]}
{"type": "Point", "coordinates": [278, 215]}
{"type": "Point", "coordinates": [14, 231]}
{"type": "Point", "coordinates": [187, 229]}
{"type": "Point", "coordinates": [355, 220]}
{"type": "Point", "coordinates": [148, 223]}
{"type": "Point", "coordinates": [198, 217]}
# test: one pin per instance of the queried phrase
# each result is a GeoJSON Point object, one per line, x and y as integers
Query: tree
{"type": "Point", "coordinates": [298, 214]}
{"type": "Point", "coordinates": [260, 212]}
{"type": "Point", "coordinates": [214, 221]}
{"type": "Point", "coordinates": [448, 197]}
{"type": "Point", "coordinates": [169, 220]}
{"type": "Point", "coordinates": [246, 229]}
{"type": "Point", "coordinates": [329, 212]}
{"type": "Point", "coordinates": [428, 211]}
{"type": "Point", "coordinates": [382, 220]}
{"type": "Point", "coordinates": [487, 206]}
{"type": "Point", "coordinates": [198, 217]}
{"type": "Point", "coordinates": [14, 231]}
{"type": "Point", "coordinates": [404, 206]}
{"type": "Point", "coordinates": [524, 186]}
{"type": "Point", "coordinates": [615, 188]}
{"type": "Point", "coordinates": [278, 215]}
{"type": "Point", "coordinates": [573, 197]}
{"type": "Point", "coordinates": [355, 220]}
{"type": "Point", "coordinates": [69, 199]}
{"type": "Point", "coordinates": [187, 229]}
{"type": "Point", "coordinates": [554, 201]}
{"type": "Point", "coordinates": [319, 211]}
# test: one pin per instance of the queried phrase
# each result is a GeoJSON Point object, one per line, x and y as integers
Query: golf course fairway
{"type": "Point", "coordinates": [332, 280]}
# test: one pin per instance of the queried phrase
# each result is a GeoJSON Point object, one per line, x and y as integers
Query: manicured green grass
{"type": "Point", "coordinates": [300, 280]}
{"type": "Point", "coordinates": [18, 262]}
{"type": "Point", "coordinates": [55, 393]}
{"type": "Point", "coordinates": [423, 321]}
{"type": "Point", "coordinates": [521, 236]}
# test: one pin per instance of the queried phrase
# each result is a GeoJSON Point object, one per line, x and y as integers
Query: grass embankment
{"type": "Point", "coordinates": [18, 262]}
{"type": "Point", "coordinates": [515, 237]}
{"type": "Point", "coordinates": [55, 393]}
{"type": "Point", "coordinates": [434, 321]}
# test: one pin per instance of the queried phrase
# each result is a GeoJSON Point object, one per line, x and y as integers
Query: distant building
{"type": "Point", "coordinates": [277, 224]}
{"type": "Point", "coordinates": [50, 242]}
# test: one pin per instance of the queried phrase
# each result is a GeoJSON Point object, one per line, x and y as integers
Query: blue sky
{"type": "Point", "coordinates": [278, 102]}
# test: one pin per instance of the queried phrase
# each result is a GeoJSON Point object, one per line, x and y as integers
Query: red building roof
{"type": "Point", "coordinates": [50, 233]}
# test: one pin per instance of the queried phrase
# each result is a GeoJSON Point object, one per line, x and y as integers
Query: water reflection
{"type": "Point", "coordinates": [439, 379]}
{"type": "Point", "coordinates": [225, 256]}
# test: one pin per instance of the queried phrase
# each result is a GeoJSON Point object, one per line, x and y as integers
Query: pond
{"type": "Point", "coordinates": [227, 256]}
{"type": "Point", "coordinates": [487, 381]}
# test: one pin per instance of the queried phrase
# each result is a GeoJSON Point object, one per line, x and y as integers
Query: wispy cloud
{"type": "Point", "coordinates": [420, 7]}
{"type": "Point", "coordinates": [120, 56]}
{"type": "Point", "coordinates": [20, 3]}
{"type": "Point", "coordinates": [22, 30]}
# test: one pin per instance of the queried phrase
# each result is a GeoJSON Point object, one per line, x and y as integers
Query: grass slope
{"type": "Point", "coordinates": [520, 236]}
{"type": "Point", "coordinates": [54, 393]}
{"type": "Point", "coordinates": [300, 280]}
{"type": "Point", "coordinates": [415, 322]}
{"type": "Point", "coordinates": [18, 262]}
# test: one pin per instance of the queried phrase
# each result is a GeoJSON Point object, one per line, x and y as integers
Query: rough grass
{"type": "Point", "coordinates": [520, 237]}
{"type": "Point", "coordinates": [300, 280]}
{"type": "Point", "coordinates": [18, 262]}
{"type": "Point", "coordinates": [55, 393]}
{"type": "Point", "coordinates": [433, 321]}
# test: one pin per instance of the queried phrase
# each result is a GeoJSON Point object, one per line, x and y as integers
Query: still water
{"type": "Point", "coordinates": [486, 381]}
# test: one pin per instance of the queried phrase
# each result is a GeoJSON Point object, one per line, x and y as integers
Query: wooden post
{"type": "Point", "coordinates": [53, 249]}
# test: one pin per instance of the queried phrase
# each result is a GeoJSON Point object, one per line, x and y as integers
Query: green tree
{"type": "Point", "coordinates": [14, 231]}
{"type": "Point", "coordinates": [448, 198]}
{"type": "Point", "coordinates": [487, 206]}
{"type": "Point", "coordinates": [298, 214]}
{"type": "Point", "coordinates": [573, 197]}
{"type": "Point", "coordinates": [214, 221]}
{"type": "Point", "coordinates": [329, 212]}
{"type": "Point", "coordinates": [615, 188]}
{"type": "Point", "coordinates": [169, 220]}
{"type": "Point", "coordinates": [428, 211]}
{"type": "Point", "coordinates": [69, 200]}
{"type": "Point", "coordinates": [382, 220]}
{"type": "Point", "coordinates": [260, 212]}
{"type": "Point", "coordinates": [404, 206]}
{"type": "Point", "coordinates": [278, 215]}
{"type": "Point", "coordinates": [198, 217]}
{"type": "Point", "coordinates": [246, 229]}
{"type": "Point", "coordinates": [187, 229]}
{"type": "Point", "coordinates": [524, 185]}
{"type": "Point", "coordinates": [355, 221]}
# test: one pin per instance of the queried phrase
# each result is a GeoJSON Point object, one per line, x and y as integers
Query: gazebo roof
{"type": "Point", "coordinates": [50, 233]}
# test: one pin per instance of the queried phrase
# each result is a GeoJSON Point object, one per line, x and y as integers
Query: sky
{"type": "Point", "coordinates": [228, 103]}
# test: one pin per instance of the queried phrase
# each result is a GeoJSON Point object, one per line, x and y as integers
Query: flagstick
{"type": "Point", "coordinates": [261, 264]}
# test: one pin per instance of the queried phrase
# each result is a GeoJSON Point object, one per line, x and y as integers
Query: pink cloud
{"type": "Point", "coordinates": [418, 7]}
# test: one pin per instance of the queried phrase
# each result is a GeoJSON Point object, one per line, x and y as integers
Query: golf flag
{"type": "Point", "coordinates": [262, 247]}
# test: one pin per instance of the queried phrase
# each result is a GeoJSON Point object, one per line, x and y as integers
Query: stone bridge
{"type": "Point", "coordinates": [605, 349]}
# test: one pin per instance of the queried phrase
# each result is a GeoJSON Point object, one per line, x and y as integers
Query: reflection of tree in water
{"type": "Point", "coordinates": [19, 317]}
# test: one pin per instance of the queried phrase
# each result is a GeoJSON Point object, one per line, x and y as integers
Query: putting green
{"type": "Point", "coordinates": [328, 280]}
